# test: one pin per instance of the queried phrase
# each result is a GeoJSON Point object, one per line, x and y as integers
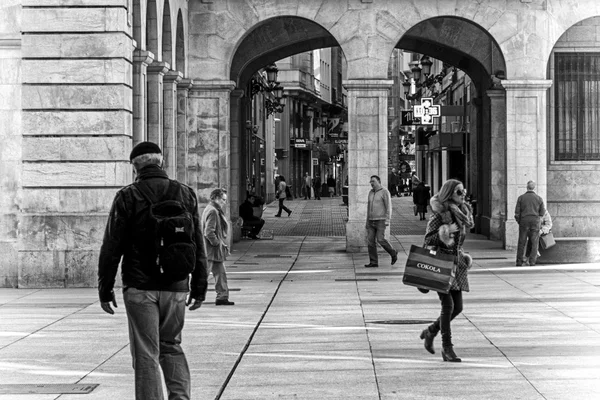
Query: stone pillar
{"type": "Point", "coordinates": [183, 87]}
{"type": "Point", "coordinates": [367, 152]}
{"type": "Point", "coordinates": [141, 60]}
{"type": "Point", "coordinates": [154, 121]}
{"type": "Point", "coordinates": [526, 157]}
{"type": "Point", "coordinates": [237, 189]}
{"type": "Point", "coordinates": [170, 121]}
{"type": "Point", "coordinates": [208, 121]}
{"type": "Point", "coordinates": [497, 163]}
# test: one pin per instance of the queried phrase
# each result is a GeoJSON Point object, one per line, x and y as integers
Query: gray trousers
{"type": "Point", "coordinates": [376, 234]}
{"type": "Point", "coordinates": [155, 324]}
{"type": "Point", "coordinates": [220, 275]}
{"type": "Point", "coordinates": [529, 228]}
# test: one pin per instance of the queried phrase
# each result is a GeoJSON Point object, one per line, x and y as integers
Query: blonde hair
{"type": "Point", "coordinates": [448, 189]}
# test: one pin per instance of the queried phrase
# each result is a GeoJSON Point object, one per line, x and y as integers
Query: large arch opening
{"type": "Point", "coordinates": [464, 143]}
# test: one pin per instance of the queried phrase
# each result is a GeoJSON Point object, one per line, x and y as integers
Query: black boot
{"type": "Point", "coordinates": [428, 336]}
{"type": "Point", "coordinates": [448, 354]}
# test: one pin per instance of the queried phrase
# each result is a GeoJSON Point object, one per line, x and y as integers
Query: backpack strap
{"type": "Point", "coordinates": [146, 192]}
{"type": "Point", "coordinates": [171, 190]}
{"type": "Point", "coordinates": [151, 197]}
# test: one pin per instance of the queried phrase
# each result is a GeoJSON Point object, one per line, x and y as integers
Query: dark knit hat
{"type": "Point", "coordinates": [144, 148]}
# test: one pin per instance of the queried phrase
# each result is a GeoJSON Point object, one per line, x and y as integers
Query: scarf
{"type": "Point", "coordinates": [462, 215]}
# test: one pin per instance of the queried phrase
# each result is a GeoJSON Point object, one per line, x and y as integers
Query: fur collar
{"type": "Point", "coordinates": [438, 207]}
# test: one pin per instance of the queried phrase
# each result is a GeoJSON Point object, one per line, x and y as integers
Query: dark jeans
{"type": "Point", "coordinates": [376, 234]}
{"type": "Point", "coordinates": [306, 192]}
{"type": "Point", "coordinates": [529, 229]}
{"type": "Point", "coordinates": [282, 207]}
{"type": "Point", "coordinates": [155, 323]}
{"type": "Point", "coordinates": [452, 305]}
{"type": "Point", "coordinates": [255, 224]}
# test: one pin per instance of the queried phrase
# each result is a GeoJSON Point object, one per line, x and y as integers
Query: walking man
{"type": "Point", "coordinates": [307, 185]}
{"type": "Point", "coordinates": [215, 228]}
{"type": "Point", "coordinates": [154, 289]}
{"type": "Point", "coordinates": [379, 215]}
{"type": "Point", "coordinates": [317, 187]}
{"type": "Point", "coordinates": [529, 212]}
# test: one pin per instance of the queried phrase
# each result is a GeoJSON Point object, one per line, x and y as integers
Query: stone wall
{"type": "Point", "coordinates": [573, 195]}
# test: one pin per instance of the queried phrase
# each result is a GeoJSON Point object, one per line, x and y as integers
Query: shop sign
{"type": "Point", "coordinates": [408, 118]}
{"type": "Point", "coordinates": [300, 143]}
{"type": "Point", "coordinates": [426, 111]}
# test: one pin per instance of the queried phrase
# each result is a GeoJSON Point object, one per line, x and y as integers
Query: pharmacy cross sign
{"type": "Point", "coordinates": [426, 111]}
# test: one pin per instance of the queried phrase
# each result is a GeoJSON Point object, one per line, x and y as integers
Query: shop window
{"type": "Point", "coordinates": [577, 106]}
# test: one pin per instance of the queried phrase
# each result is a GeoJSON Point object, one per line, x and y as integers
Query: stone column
{"type": "Point", "coordinates": [183, 87]}
{"type": "Point", "coordinates": [497, 165]}
{"type": "Point", "coordinates": [526, 157]}
{"type": "Point", "coordinates": [367, 152]}
{"type": "Point", "coordinates": [170, 121]}
{"type": "Point", "coordinates": [154, 121]}
{"type": "Point", "coordinates": [141, 60]}
{"type": "Point", "coordinates": [237, 188]}
{"type": "Point", "coordinates": [208, 121]}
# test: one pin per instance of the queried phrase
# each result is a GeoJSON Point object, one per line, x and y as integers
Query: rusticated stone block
{"type": "Point", "coordinates": [64, 3]}
{"type": "Point", "coordinates": [81, 268]}
{"type": "Point", "coordinates": [8, 264]}
{"type": "Point", "coordinates": [74, 19]}
{"type": "Point", "coordinates": [77, 97]}
{"type": "Point", "coordinates": [86, 148]}
{"type": "Point", "coordinates": [80, 123]}
{"type": "Point", "coordinates": [85, 200]}
{"type": "Point", "coordinates": [41, 269]}
{"type": "Point", "coordinates": [110, 44]}
{"type": "Point", "coordinates": [60, 232]}
{"type": "Point", "coordinates": [76, 174]}
{"type": "Point", "coordinates": [77, 71]}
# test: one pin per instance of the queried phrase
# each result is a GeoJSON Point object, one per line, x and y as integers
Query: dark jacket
{"type": "Point", "coordinates": [421, 195]}
{"type": "Point", "coordinates": [215, 228]}
{"type": "Point", "coordinates": [123, 237]}
{"type": "Point", "coordinates": [529, 204]}
{"type": "Point", "coordinates": [247, 211]}
{"type": "Point", "coordinates": [330, 182]}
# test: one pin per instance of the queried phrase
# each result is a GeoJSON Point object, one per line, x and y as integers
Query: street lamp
{"type": "Point", "coordinates": [426, 64]}
{"type": "Point", "coordinates": [257, 85]}
{"type": "Point", "coordinates": [406, 85]}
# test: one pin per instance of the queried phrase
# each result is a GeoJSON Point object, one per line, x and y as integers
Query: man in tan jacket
{"type": "Point", "coordinates": [379, 214]}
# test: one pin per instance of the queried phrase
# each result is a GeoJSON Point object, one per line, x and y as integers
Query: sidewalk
{"type": "Point", "coordinates": [310, 322]}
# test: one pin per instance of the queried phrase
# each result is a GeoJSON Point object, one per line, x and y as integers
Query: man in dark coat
{"type": "Point", "coordinates": [317, 186]}
{"type": "Point", "coordinates": [155, 305]}
{"type": "Point", "coordinates": [529, 211]}
{"type": "Point", "coordinates": [421, 198]}
{"type": "Point", "coordinates": [247, 213]}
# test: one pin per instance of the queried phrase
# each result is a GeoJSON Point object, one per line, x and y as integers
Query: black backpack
{"type": "Point", "coordinates": [172, 227]}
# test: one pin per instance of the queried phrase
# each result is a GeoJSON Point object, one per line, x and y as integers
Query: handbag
{"type": "Point", "coordinates": [429, 269]}
{"type": "Point", "coordinates": [547, 241]}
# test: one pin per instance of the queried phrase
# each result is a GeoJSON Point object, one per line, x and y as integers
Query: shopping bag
{"type": "Point", "coordinates": [429, 269]}
{"type": "Point", "coordinates": [547, 241]}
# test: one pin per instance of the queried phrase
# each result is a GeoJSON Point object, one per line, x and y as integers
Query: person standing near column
{"type": "Point", "coordinates": [529, 212]}
{"type": "Point", "coordinates": [379, 215]}
{"type": "Point", "coordinates": [317, 186]}
{"type": "Point", "coordinates": [307, 185]}
{"type": "Point", "coordinates": [215, 228]}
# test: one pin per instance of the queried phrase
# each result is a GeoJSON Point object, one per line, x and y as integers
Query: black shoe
{"type": "Point", "coordinates": [448, 354]}
{"type": "Point", "coordinates": [428, 336]}
{"type": "Point", "coordinates": [395, 257]}
{"type": "Point", "coordinates": [253, 237]}
{"type": "Point", "coordinates": [370, 265]}
{"type": "Point", "coordinates": [225, 302]}
{"type": "Point", "coordinates": [277, 215]}
{"type": "Point", "coordinates": [289, 213]}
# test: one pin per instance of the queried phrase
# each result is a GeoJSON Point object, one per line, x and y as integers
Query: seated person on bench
{"type": "Point", "coordinates": [254, 224]}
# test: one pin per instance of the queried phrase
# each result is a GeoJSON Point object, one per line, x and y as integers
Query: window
{"type": "Point", "coordinates": [577, 101]}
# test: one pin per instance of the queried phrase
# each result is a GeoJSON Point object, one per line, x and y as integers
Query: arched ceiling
{"type": "Point", "coordinates": [273, 40]}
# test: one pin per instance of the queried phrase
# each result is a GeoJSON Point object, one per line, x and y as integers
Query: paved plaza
{"type": "Point", "coordinates": [310, 322]}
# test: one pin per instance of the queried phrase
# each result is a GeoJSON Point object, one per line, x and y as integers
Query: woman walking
{"type": "Point", "coordinates": [421, 199]}
{"type": "Point", "coordinates": [446, 230]}
{"type": "Point", "coordinates": [280, 194]}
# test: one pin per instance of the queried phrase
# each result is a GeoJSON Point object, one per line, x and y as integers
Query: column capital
{"type": "Point", "coordinates": [185, 84]}
{"type": "Point", "coordinates": [143, 56]}
{"type": "Point", "coordinates": [237, 93]}
{"type": "Point", "coordinates": [213, 85]}
{"type": "Point", "coordinates": [368, 84]}
{"type": "Point", "coordinates": [158, 67]}
{"type": "Point", "coordinates": [527, 84]}
{"type": "Point", "coordinates": [172, 76]}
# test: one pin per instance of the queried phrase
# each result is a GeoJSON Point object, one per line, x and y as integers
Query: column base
{"type": "Point", "coordinates": [356, 237]}
{"type": "Point", "coordinates": [512, 235]}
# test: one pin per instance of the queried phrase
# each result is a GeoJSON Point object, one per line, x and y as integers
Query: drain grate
{"type": "Point", "coordinates": [47, 388]}
{"type": "Point", "coordinates": [401, 322]}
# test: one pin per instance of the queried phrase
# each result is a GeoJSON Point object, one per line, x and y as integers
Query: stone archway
{"type": "Point", "coordinates": [466, 45]}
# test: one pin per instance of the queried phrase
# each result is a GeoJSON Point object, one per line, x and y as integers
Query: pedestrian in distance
{"type": "Point", "coordinates": [421, 199]}
{"type": "Point", "coordinates": [401, 187]}
{"type": "Point", "coordinates": [281, 195]}
{"type": "Point", "coordinates": [529, 211]}
{"type": "Point", "coordinates": [331, 186]}
{"type": "Point", "coordinates": [307, 185]}
{"type": "Point", "coordinates": [392, 183]}
{"type": "Point", "coordinates": [545, 229]}
{"type": "Point", "coordinates": [216, 229]}
{"type": "Point", "coordinates": [379, 215]}
{"type": "Point", "coordinates": [153, 225]}
{"type": "Point", "coordinates": [246, 211]}
{"type": "Point", "coordinates": [413, 181]}
{"type": "Point", "coordinates": [317, 187]}
{"type": "Point", "coordinates": [446, 231]}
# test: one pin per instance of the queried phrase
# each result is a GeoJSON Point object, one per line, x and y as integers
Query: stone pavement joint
{"type": "Point", "coordinates": [307, 325]}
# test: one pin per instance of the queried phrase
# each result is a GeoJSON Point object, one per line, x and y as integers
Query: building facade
{"type": "Point", "coordinates": [82, 81]}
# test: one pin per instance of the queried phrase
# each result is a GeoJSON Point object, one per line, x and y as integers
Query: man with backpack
{"type": "Point", "coordinates": [154, 227]}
